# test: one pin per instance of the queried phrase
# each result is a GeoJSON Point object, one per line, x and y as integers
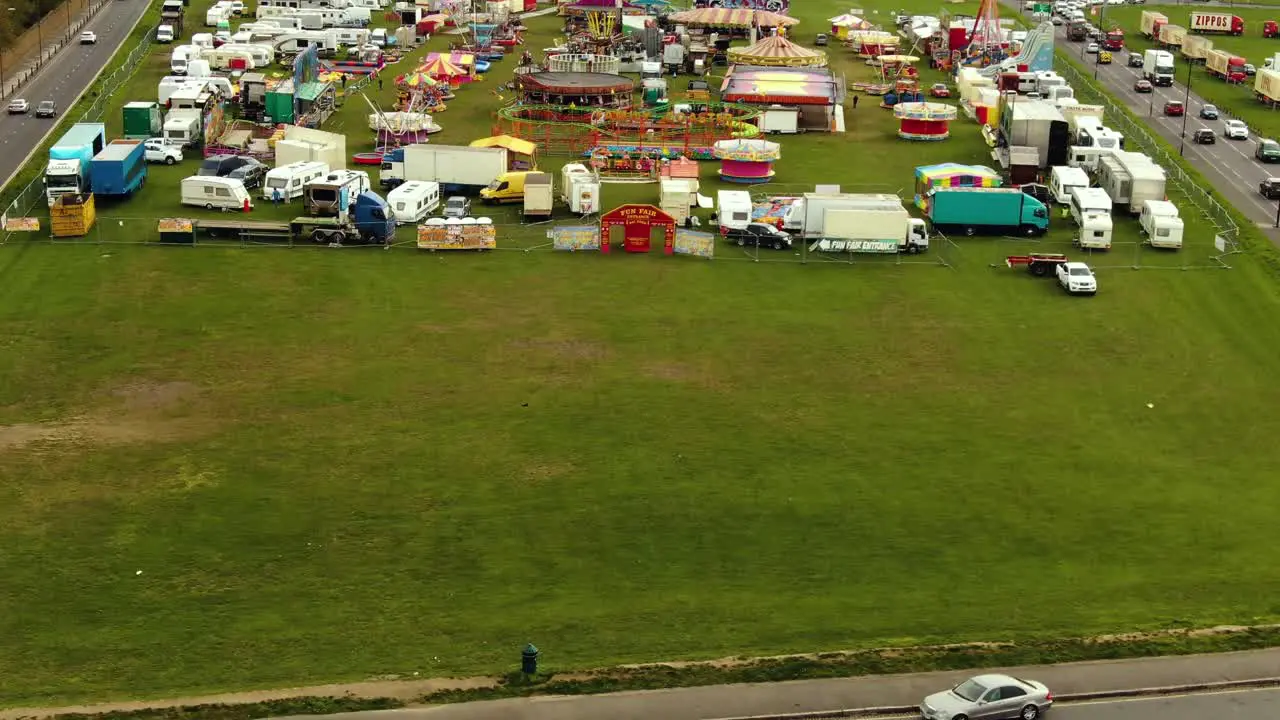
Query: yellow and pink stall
{"type": "Point", "coordinates": [953, 175]}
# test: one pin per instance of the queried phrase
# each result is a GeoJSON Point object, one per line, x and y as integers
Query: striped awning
{"type": "Point", "coordinates": [777, 51]}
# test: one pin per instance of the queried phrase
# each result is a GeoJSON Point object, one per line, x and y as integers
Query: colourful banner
{"type": "Point", "coordinates": [175, 225]}
{"type": "Point", "coordinates": [457, 237]}
{"type": "Point", "coordinates": [698, 244]}
{"type": "Point", "coordinates": [21, 224]}
{"type": "Point", "coordinates": [575, 237]}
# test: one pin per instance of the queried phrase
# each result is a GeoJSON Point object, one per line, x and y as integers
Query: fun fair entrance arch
{"type": "Point", "coordinates": [637, 223]}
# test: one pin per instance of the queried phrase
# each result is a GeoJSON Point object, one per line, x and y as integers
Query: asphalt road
{"type": "Point", "coordinates": [1251, 704]}
{"type": "Point", "coordinates": [63, 78]}
{"type": "Point", "coordinates": [1228, 164]}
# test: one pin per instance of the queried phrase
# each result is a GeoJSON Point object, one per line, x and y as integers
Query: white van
{"type": "Point", "coordinates": [734, 209]}
{"type": "Point", "coordinates": [164, 34]}
{"type": "Point", "coordinates": [289, 179]}
{"type": "Point", "coordinates": [180, 56]}
{"type": "Point", "coordinates": [322, 195]}
{"type": "Point", "coordinates": [211, 192]}
{"type": "Point", "coordinates": [414, 200]}
{"type": "Point", "coordinates": [1062, 179]}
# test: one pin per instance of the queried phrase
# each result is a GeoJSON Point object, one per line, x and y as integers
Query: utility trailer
{"type": "Point", "coordinates": [1038, 264]}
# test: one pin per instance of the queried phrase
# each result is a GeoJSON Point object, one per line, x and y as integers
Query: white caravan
{"type": "Point", "coordinates": [413, 200]}
{"type": "Point", "coordinates": [289, 179]}
{"type": "Point", "coordinates": [211, 192]}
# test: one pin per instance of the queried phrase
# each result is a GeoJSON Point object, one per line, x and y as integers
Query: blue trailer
{"type": "Point", "coordinates": [120, 169]}
{"type": "Point", "coordinates": [68, 171]}
{"type": "Point", "coordinates": [986, 211]}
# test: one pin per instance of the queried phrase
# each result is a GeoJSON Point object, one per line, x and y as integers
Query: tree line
{"type": "Point", "coordinates": [16, 16]}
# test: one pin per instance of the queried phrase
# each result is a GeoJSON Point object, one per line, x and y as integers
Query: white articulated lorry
{"type": "Point", "coordinates": [850, 222]}
{"type": "Point", "coordinates": [458, 168]}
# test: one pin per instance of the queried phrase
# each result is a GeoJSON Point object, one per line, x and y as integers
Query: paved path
{"type": "Point", "coordinates": [63, 78]}
{"type": "Point", "coordinates": [722, 701]}
{"type": "Point", "coordinates": [1228, 164]}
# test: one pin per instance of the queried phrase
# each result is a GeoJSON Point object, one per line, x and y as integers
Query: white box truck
{"type": "Point", "coordinates": [458, 168]}
{"type": "Point", "coordinates": [1157, 66]}
{"type": "Point", "coordinates": [882, 231]}
{"type": "Point", "coordinates": [1160, 223]}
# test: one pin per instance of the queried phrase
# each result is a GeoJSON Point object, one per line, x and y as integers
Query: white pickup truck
{"type": "Point", "coordinates": [1077, 279]}
{"type": "Point", "coordinates": [155, 150]}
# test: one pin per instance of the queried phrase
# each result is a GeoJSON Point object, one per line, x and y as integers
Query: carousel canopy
{"type": "Point", "coordinates": [777, 51]}
{"type": "Point", "coordinates": [440, 67]}
{"type": "Point", "coordinates": [732, 17]}
{"type": "Point", "coordinates": [852, 22]}
{"type": "Point", "coordinates": [514, 144]}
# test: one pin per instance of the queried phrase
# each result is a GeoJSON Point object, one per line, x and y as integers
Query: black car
{"type": "Point", "coordinates": [223, 165]}
{"type": "Point", "coordinates": [250, 173]}
{"type": "Point", "coordinates": [760, 235]}
{"type": "Point", "coordinates": [46, 109]}
{"type": "Point", "coordinates": [1270, 188]}
{"type": "Point", "coordinates": [1135, 60]}
{"type": "Point", "coordinates": [1204, 136]}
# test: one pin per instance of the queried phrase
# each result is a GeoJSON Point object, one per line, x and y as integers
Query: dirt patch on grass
{"type": "Point", "coordinates": [136, 412]}
{"type": "Point", "coordinates": [563, 349]}
{"type": "Point", "coordinates": [680, 372]}
{"type": "Point", "coordinates": [544, 471]}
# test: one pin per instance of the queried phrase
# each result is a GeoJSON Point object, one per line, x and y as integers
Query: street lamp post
{"type": "Point", "coordinates": [1186, 106]}
{"type": "Point", "coordinates": [1097, 59]}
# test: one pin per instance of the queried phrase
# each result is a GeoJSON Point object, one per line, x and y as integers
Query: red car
{"type": "Point", "coordinates": [1174, 108]}
{"type": "Point", "coordinates": [940, 90]}
{"type": "Point", "coordinates": [1142, 86]}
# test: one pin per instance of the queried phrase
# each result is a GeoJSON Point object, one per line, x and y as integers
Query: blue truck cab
{"type": "Point", "coordinates": [120, 169]}
{"type": "Point", "coordinates": [68, 171]}
{"type": "Point", "coordinates": [373, 218]}
{"type": "Point", "coordinates": [986, 211]}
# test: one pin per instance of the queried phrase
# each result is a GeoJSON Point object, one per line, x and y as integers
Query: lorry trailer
{"type": "Point", "coordinates": [458, 168]}
{"type": "Point", "coordinates": [120, 169]}
{"type": "Point", "coordinates": [1215, 22]}
{"type": "Point", "coordinates": [1150, 23]}
{"type": "Point", "coordinates": [1225, 66]}
{"type": "Point", "coordinates": [368, 222]}
{"type": "Point", "coordinates": [986, 211]}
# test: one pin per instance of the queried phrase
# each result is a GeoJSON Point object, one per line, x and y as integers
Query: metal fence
{"type": "Point", "coordinates": [1135, 133]}
{"type": "Point", "coordinates": [32, 196]}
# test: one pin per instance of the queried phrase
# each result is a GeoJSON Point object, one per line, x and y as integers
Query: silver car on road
{"type": "Point", "coordinates": [989, 697]}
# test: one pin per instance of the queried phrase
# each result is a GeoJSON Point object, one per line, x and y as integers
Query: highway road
{"type": "Point", "coordinates": [62, 79]}
{"type": "Point", "coordinates": [1238, 705]}
{"type": "Point", "coordinates": [1228, 164]}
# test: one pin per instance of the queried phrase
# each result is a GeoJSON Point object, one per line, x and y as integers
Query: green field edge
{"type": "Point", "coordinates": [74, 114]}
{"type": "Point", "coordinates": [828, 665]}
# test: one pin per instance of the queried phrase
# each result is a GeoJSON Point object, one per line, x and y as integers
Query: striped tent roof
{"type": "Point", "coordinates": [732, 17]}
{"type": "Point", "coordinates": [777, 51]}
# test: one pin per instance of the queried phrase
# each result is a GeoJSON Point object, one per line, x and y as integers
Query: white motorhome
{"type": "Point", "coordinates": [288, 22]}
{"type": "Point", "coordinates": [413, 200]}
{"type": "Point", "coordinates": [211, 192]}
{"type": "Point", "coordinates": [194, 96]}
{"type": "Point", "coordinates": [1063, 179]}
{"type": "Point", "coordinates": [290, 179]}
{"type": "Point", "coordinates": [262, 54]}
{"type": "Point", "coordinates": [1086, 157]}
{"type": "Point", "coordinates": [1095, 231]}
{"type": "Point", "coordinates": [296, 42]}
{"type": "Point", "coordinates": [1089, 200]}
{"type": "Point", "coordinates": [323, 195]}
{"type": "Point", "coordinates": [218, 13]}
{"type": "Point", "coordinates": [224, 59]}
{"type": "Point", "coordinates": [1160, 223]}
{"type": "Point", "coordinates": [734, 209]}
{"type": "Point", "coordinates": [351, 37]}
{"type": "Point", "coordinates": [182, 128]}
{"type": "Point", "coordinates": [180, 56]}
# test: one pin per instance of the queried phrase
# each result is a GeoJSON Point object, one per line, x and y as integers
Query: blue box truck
{"type": "Point", "coordinates": [119, 170]}
{"type": "Point", "coordinates": [69, 160]}
{"type": "Point", "coordinates": [986, 211]}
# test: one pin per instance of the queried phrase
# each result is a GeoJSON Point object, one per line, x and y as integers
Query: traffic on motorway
{"type": "Point", "coordinates": [1230, 161]}
{"type": "Point", "coordinates": [60, 82]}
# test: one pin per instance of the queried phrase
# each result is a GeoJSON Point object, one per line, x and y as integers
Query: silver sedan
{"type": "Point", "coordinates": [989, 697]}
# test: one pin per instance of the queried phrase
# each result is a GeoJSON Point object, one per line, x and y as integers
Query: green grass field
{"type": "Point", "coordinates": [1238, 100]}
{"type": "Point", "coordinates": [240, 468]}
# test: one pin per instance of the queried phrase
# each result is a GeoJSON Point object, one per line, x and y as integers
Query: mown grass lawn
{"type": "Point", "coordinates": [226, 468]}
{"type": "Point", "coordinates": [1238, 99]}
